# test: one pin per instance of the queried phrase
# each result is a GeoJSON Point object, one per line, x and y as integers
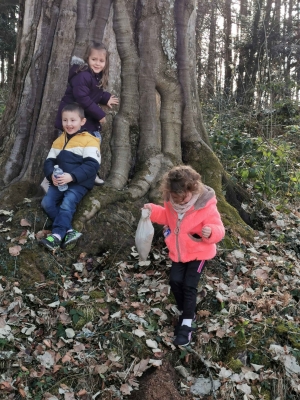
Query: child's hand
{"type": "Point", "coordinates": [148, 206]}
{"type": "Point", "coordinates": [206, 232]}
{"type": "Point", "coordinates": [103, 120]}
{"type": "Point", "coordinates": [63, 179]}
{"type": "Point", "coordinates": [54, 180]}
{"type": "Point", "coordinates": [112, 101]}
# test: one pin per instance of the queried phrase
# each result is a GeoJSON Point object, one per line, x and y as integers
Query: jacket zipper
{"type": "Point", "coordinates": [176, 232]}
{"type": "Point", "coordinates": [67, 140]}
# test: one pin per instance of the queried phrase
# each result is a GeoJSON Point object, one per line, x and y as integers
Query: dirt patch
{"type": "Point", "coordinates": [159, 384]}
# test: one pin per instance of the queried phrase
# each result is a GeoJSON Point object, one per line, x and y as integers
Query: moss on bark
{"type": "Point", "coordinates": [203, 160]}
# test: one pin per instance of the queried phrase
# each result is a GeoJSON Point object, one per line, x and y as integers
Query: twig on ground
{"type": "Point", "coordinates": [190, 350]}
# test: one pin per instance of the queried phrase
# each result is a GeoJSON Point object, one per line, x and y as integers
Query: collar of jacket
{"type": "Point", "coordinates": [68, 136]}
{"type": "Point", "coordinates": [207, 195]}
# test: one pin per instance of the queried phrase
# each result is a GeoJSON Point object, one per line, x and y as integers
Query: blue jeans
{"type": "Point", "coordinates": [61, 206]}
{"type": "Point", "coordinates": [97, 134]}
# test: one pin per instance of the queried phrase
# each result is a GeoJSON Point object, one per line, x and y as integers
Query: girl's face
{"type": "Point", "coordinates": [182, 199]}
{"type": "Point", "coordinates": [97, 60]}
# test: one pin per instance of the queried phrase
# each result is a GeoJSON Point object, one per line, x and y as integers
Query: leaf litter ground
{"type": "Point", "coordinates": [105, 331]}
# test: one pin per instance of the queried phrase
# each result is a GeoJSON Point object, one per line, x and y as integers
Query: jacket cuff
{"type": "Point", "coordinates": [73, 177]}
{"type": "Point", "coordinates": [105, 97]}
{"type": "Point", "coordinates": [216, 236]}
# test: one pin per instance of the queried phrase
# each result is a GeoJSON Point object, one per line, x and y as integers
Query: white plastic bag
{"type": "Point", "coordinates": [144, 235]}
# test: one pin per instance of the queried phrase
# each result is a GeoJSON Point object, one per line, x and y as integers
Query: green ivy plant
{"type": "Point", "coordinates": [269, 166]}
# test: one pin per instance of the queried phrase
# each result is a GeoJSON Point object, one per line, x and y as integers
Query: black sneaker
{"type": "Point", "coordinates": [180, 319]}
{"type": "Point", "coordinates": [70, 239]}
{"type": "Point", "coordinates": [184, 335]}
{"type": "Point", "coordinates": [176, 329]}
{"type": "Point", "coordinates": [51, 242]}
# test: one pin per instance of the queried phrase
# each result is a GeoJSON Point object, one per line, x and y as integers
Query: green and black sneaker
{"type": "Point", "coordinates": [70, 239]}
{"type": "Point", "coordinates": [51, 242]}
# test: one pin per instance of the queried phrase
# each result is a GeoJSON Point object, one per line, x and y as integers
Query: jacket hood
{"type": "Point", "coordinates": [207, 195]}
{"type": "Point", "coordinates": [76, 63]}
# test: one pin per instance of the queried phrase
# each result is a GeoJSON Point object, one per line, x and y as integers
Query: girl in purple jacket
{"type": "Point", "coordinates": [86, 83]}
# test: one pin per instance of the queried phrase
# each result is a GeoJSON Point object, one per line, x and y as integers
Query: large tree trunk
{"type": "Point", "coordinates": [152, 69]}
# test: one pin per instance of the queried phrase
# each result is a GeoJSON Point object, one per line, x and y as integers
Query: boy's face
{"type": "Point", "coordinates": [72, 122]}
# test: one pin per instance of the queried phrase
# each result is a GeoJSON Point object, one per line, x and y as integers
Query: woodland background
{"type": "Point", "coordinates": [85, 326]}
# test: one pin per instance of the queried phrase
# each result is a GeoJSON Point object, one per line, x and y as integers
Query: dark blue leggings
{"type": "Point", "coordinates": [184, 279]}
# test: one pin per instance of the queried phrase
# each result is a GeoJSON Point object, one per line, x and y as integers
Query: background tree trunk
{"type": "Point", "coordinates": [210, 80]}
{"type": "Point", "coordinates": [228, 51]}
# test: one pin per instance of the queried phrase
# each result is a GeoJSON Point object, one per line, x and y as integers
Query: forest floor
{"type": "Point", "coordinates": [102, 328]}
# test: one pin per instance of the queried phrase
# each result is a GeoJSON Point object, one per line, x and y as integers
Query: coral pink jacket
{"type": "Point", "coordinates": [182, 245]}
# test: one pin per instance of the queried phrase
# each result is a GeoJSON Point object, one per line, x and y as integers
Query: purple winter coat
{"type": "Point", "coordinates": [83, 88]}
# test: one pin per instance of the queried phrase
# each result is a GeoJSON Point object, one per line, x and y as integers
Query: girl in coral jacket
{"type": "Point", "coordinates": [192, 227]}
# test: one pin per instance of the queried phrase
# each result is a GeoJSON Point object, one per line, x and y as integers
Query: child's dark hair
{"type": "Point", "coordinates": [180, 180]}
{"type": "Point", "coordinates": [75, 107]}
{"type": "Point", "coordinates": [101, 47]}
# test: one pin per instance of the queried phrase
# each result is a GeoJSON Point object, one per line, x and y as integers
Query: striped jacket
{"type": "Point", "coordinates": [79, 156]}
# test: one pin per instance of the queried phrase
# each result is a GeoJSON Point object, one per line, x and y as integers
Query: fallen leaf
{"type": "Point", "coordinates": [79, 347]}
{"type": "Point", "coordinates": [24, 222]}
{"type": "Point", "coordinates": [116, 315]}
{"type": "Point", "coordinates": [224, 373]}
{"type": "Point", "coordinates": [47, 359]}
{"type": "Point", "coordinates": [14, 250]}
{"type": "Point", "coordinates": [126, 389]}
{"type": "Point", "coordinates": [70, 333]}
{"type": "Point", "coordinates": [6, 386]}
{"type": "Point", "coordinates": [113, 357]}
{"type": "Point", "coordinates": [81, 392]}
{"type": "Point", "coordinates": [22, 393]}
{"type": "Point", "coordinates": [69, 396]}
{"type": "Point", "coordinates": [151, 343]}
{"type": "Point", "coordinates": [141, 367]}
{"type": "Point", "coordinates": [203, 313]}
{"type": "Point", "coordinates": [4, 212]}
{"type": "Point", "coordinates": [257, 367]}
{"type": "Point", "coordinates": [37, 374]}
{"type": "Point", "coordinates": [155, 363]}
{"type": "Point", "coordinates": [100, 369]}
{"type": "Point", "coordinates": [238, 254]}
{"type": "Point", "coordinates": [261, 274]}
{"type": "Point", "coordinates": [56, 368]}
{"type": "Point", "coordinates": [244, 388]}
{"type": "Point", "coordinates": [139, 332]}
{"type": "Point", "coordinates": [66, 358]}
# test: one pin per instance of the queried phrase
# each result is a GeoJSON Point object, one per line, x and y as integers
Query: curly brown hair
{"type": "Point", "coordinates": [101, 47]}
{"type": "Point", "coordinates": [180, 180]}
